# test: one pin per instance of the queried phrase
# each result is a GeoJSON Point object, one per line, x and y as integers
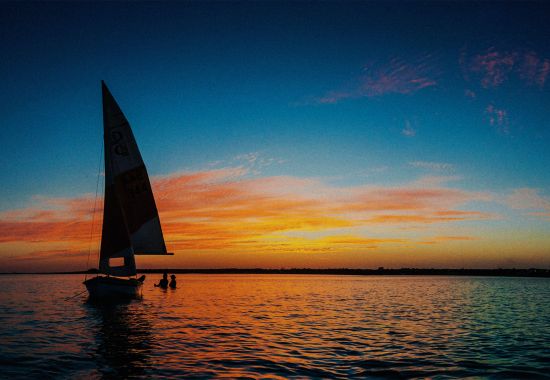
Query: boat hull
{"type": "Point", "coordinates": [101, 287]}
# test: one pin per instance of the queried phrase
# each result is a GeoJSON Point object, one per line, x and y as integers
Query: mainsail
{"type": "Point", "coordinates": [131, 225]}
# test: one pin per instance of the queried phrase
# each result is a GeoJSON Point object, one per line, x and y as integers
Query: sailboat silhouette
{"type": "Point", "coordinates": [131, 224]}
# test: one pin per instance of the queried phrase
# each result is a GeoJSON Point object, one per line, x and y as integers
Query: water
{"type": "Point", "coordinates": [279, 326]}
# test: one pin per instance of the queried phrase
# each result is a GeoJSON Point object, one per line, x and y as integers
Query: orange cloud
{"type": "Point", "coordinates": [44, 231]}
{"type": "Point", "coordinates": [226, 210]}
{"type": "Point", "coordinates": [436, 217]}
{"type": "Point", "coordinates": [443, 239]}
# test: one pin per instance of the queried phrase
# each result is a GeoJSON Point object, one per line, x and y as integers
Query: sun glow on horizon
{"type": "Point", "coordinates": [230, 217]}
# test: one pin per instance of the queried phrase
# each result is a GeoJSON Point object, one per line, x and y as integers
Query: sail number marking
{"type": "Point", "coordinates": [119, 147]}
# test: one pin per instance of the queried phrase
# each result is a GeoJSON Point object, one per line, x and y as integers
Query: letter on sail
{"type": "Point", "coordinates": [131, 224]}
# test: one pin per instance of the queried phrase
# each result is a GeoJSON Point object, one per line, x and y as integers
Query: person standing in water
{"type": "Point", "coordinates": [164, 282]}
{"type": "Point", "coordinates": [173, 281]}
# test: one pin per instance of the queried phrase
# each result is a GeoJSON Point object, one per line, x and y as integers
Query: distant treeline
{"type": "Point", "coordinates": [532, 272]}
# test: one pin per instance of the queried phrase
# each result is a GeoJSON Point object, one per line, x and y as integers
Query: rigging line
{"type": "Point", "coordinates": [102, 197]}
{"type": "Point", "coordinates": [93, 213]}
{"type": "Point", "coordinates": [76, 295]}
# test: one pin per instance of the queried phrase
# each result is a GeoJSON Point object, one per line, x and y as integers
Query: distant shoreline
{"type": "Point", "coordinates": [532, 272]}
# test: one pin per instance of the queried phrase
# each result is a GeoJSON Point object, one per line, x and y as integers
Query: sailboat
{"type": "Point", "coordinates": [131, 224]}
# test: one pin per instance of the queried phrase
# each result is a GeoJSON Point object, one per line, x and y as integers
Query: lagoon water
{"type": "Point", "coordinates": [279, 326]}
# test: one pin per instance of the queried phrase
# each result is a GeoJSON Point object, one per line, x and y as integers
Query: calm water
{"type": "Point", "coordinates": [279, 326]}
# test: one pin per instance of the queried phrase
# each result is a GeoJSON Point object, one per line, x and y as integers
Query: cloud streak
{"type": "Point", "coordinates": [225, 210]}
{"type": "Point", "coordinates": [529, 199]}
{"type": "Point", "coordinates": [397, 76]}
{"type": "Point", "coordinates": [434, 166]}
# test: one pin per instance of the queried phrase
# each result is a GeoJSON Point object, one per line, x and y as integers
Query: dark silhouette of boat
{"type": "Point", "coordinates": [131, 224]}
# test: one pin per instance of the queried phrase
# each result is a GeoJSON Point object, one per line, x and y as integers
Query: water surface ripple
{"type": "Point", "coordinates": [279, 326]}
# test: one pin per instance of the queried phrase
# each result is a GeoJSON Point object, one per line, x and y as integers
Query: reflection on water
{"type": "Point", "coordinates": [280, 326]}
{"type": "Point", "coordinates": [123, 339]}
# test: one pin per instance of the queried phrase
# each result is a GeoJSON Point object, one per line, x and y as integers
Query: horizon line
{"type": "Point", "coordinates": [521, 272]}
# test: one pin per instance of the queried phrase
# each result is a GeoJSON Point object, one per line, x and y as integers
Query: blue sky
{"type": "Point", "coordinates": [350, 93]}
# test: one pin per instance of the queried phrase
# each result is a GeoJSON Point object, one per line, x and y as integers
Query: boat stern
{"type": "Point", "coordinates": [101, 287]}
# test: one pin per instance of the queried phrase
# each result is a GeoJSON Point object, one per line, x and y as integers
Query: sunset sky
{"type": "Point", "coordinates": [283, 134]}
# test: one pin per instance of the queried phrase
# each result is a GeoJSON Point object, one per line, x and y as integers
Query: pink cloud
{"type": "Point", "coordinates": [534, 69]}
{"type": "Point", "coordinates": [395, 77]}
{"type": "Point", "coordinates": [494, 67]}
{"type": "Point", "coordinates": [498, 118]}
{"type": "Point", "coordinates": [530, 66]}
{"type": "Point", "coordinates": [527, 198]}
{"type": "Point", "coordinates": [543, 73]}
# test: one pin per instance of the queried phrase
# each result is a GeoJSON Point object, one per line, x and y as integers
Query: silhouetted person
{"type": "Point", "coordinates": [164, 282]}
{"type": "Point", "coordinates": [173, 281]}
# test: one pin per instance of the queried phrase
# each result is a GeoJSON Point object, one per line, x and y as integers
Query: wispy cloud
{"type": "Point", "coordinates": [541, 214]}
{"type": "Point", "coordinates": [487, 71]}
{"type": "Point", "coordinates": [493, 67]}
{"type": "Point", "coordinates": [530, 201]}
{"type": "Point", "coordinates": [408, 130]}
{"type": "Point", "coordinates": [255, 161]}
{"type": "Point", "coordinates": [443, 239]}
{"type": "Point", "coordinates": [430, 181]}
{"type": "Point", "coordinates": [398, 76]}
{"type": "Point", "coordinates": [428, 218]}
{"type": "Point", "coordinates": [498, 118]}
{"type": "Point", "coordinates": [434, 166]}
{"type": "Point", "coordinates": [528, 198]}
{"type": "Point", "coordinates": [534, 69]}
